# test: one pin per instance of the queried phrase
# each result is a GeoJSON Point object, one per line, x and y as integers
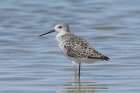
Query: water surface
{"type": "Point", "coordinates": [32, 64]}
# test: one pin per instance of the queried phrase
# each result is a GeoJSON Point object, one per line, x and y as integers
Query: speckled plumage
{"type": "Point", "coordinates": [75, 47]}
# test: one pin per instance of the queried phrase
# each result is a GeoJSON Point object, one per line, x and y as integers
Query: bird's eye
{"type": "Point", "coordinates": [60, 27]}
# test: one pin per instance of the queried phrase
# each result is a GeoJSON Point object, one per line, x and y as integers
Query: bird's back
{"type": "Point", "coordinates": [76, 47]}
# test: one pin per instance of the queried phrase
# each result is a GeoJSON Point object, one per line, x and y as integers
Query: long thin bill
{"type": "Point", "coordinates": [47, 32]}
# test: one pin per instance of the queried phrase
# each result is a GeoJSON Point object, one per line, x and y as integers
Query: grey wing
{"type": "Point", "coordinates": [79, 48]}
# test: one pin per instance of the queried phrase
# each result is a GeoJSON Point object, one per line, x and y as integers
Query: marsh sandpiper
{"type": "Point", "coordinates": [74, 47]}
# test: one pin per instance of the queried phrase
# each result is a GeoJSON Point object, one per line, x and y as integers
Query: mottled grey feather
{"type": "Point", "coordinates": [77, 47]}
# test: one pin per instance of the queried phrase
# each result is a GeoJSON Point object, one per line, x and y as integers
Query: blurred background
{"type": "Point", "coordinates": [32, 64]}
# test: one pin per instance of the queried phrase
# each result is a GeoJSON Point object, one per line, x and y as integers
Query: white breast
{"type": "Point", "coordinates": [60, 42]}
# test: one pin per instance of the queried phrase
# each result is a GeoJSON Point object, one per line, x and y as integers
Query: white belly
{"type": "Point", "coordinates": [86, 60]}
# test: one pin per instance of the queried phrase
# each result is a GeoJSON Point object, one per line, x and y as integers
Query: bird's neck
{"type": "Point", "coordinates": [58, 35]}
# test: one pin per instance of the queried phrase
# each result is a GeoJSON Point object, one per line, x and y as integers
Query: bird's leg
{"type": "Point", "coordinates": [79, 69]}
{"type": "Point", "coordinates": [74, 65]}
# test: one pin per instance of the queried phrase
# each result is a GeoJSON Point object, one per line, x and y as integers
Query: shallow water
{"type": "Point", "coordinates": [32, 64]}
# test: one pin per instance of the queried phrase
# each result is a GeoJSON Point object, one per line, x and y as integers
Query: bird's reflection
{"type": "Point", "coordinates": [78, 86]}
